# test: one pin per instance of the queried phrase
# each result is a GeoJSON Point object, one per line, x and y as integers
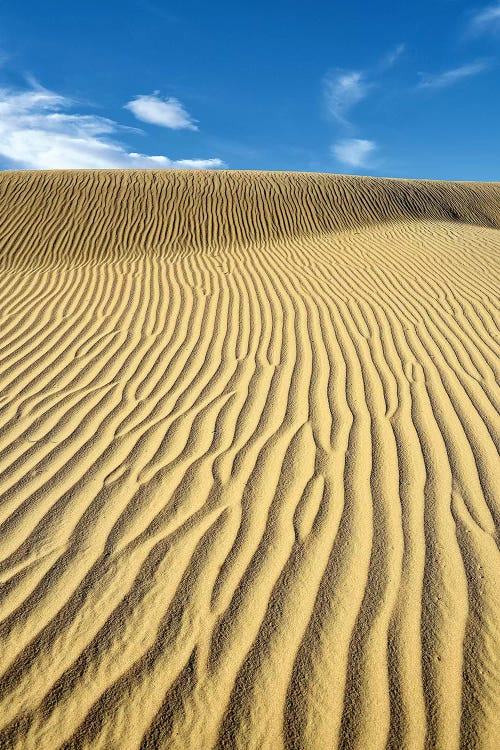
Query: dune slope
{"type": "Point", "coordinates": [248, 464]}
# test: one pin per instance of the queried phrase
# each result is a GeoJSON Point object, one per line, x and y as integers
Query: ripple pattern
{"type": "Point", "coordinates": [248, 462]}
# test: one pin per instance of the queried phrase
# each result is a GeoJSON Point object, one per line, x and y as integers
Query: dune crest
{"type": "Point", "coordinates": [248, 464]}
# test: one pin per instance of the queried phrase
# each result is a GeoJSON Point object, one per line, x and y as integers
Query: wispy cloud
{"type": "Point", "coordinates": [168, 112]}
{"type": "Point", "coordinates": [38, 132]}
{"type": "Point", "coordinates": [342, 90]}
{"type": "Point", "coordinates": [450, 77]}
{"type": "Point", "coordinates": [486, 21]}
{"type": "Point", "coordinates": [391, 57]}
{"type": "Point", "coordinates": [353, 151]}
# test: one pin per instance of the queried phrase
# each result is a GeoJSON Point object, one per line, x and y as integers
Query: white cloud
{"type": "Point", "coordinates": [37, 132]}
{"type": "Point", "coordinates": [168, 113]}
{"type": "Point", "coordinates": [450, 77]}
{"type": "Point", "coordinates": [342, 90]}
{"type": "Point", "coordinates": [391, 57]}
{"type": "Point", "coordinates": [486, 21]}
{"type": "Point", "coordinates": [353, 151]}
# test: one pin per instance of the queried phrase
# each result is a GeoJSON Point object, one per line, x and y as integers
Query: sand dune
{"type": "Point", "coordinates": [248, 474]}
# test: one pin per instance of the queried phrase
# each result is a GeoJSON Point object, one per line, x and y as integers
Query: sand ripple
{"type": "Point", "coordinates": [248, 465]}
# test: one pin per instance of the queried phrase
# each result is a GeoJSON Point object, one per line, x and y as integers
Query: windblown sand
{"type": "Point", "coordinates": [248, 467]}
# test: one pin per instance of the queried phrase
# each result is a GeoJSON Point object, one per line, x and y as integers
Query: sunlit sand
{"type": "Point", "coordinates": [248, 467]}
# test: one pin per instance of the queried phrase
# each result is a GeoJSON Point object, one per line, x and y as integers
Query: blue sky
{"type": "Point", "coordinates": [387, 88]}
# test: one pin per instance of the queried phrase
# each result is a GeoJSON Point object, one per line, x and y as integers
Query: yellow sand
{"type": "Point", "coordinates": [248, 471]}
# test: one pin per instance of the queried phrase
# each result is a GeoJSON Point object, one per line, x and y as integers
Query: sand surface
{"type": "Point", "coordinates": [248, 474]}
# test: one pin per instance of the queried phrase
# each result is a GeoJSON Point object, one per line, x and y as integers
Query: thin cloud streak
{"type": "Point", "coordinates": [486, 21]}
{"type": "Point", "coordinates": [342, 90]}
{"type": "Point", "coordinates": [450, 77]}
{"type": "Point", "coordinates": [392, 57]}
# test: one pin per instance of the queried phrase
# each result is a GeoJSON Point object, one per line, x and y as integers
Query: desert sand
{"type": "Point", "coordinates": [248, 474]}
